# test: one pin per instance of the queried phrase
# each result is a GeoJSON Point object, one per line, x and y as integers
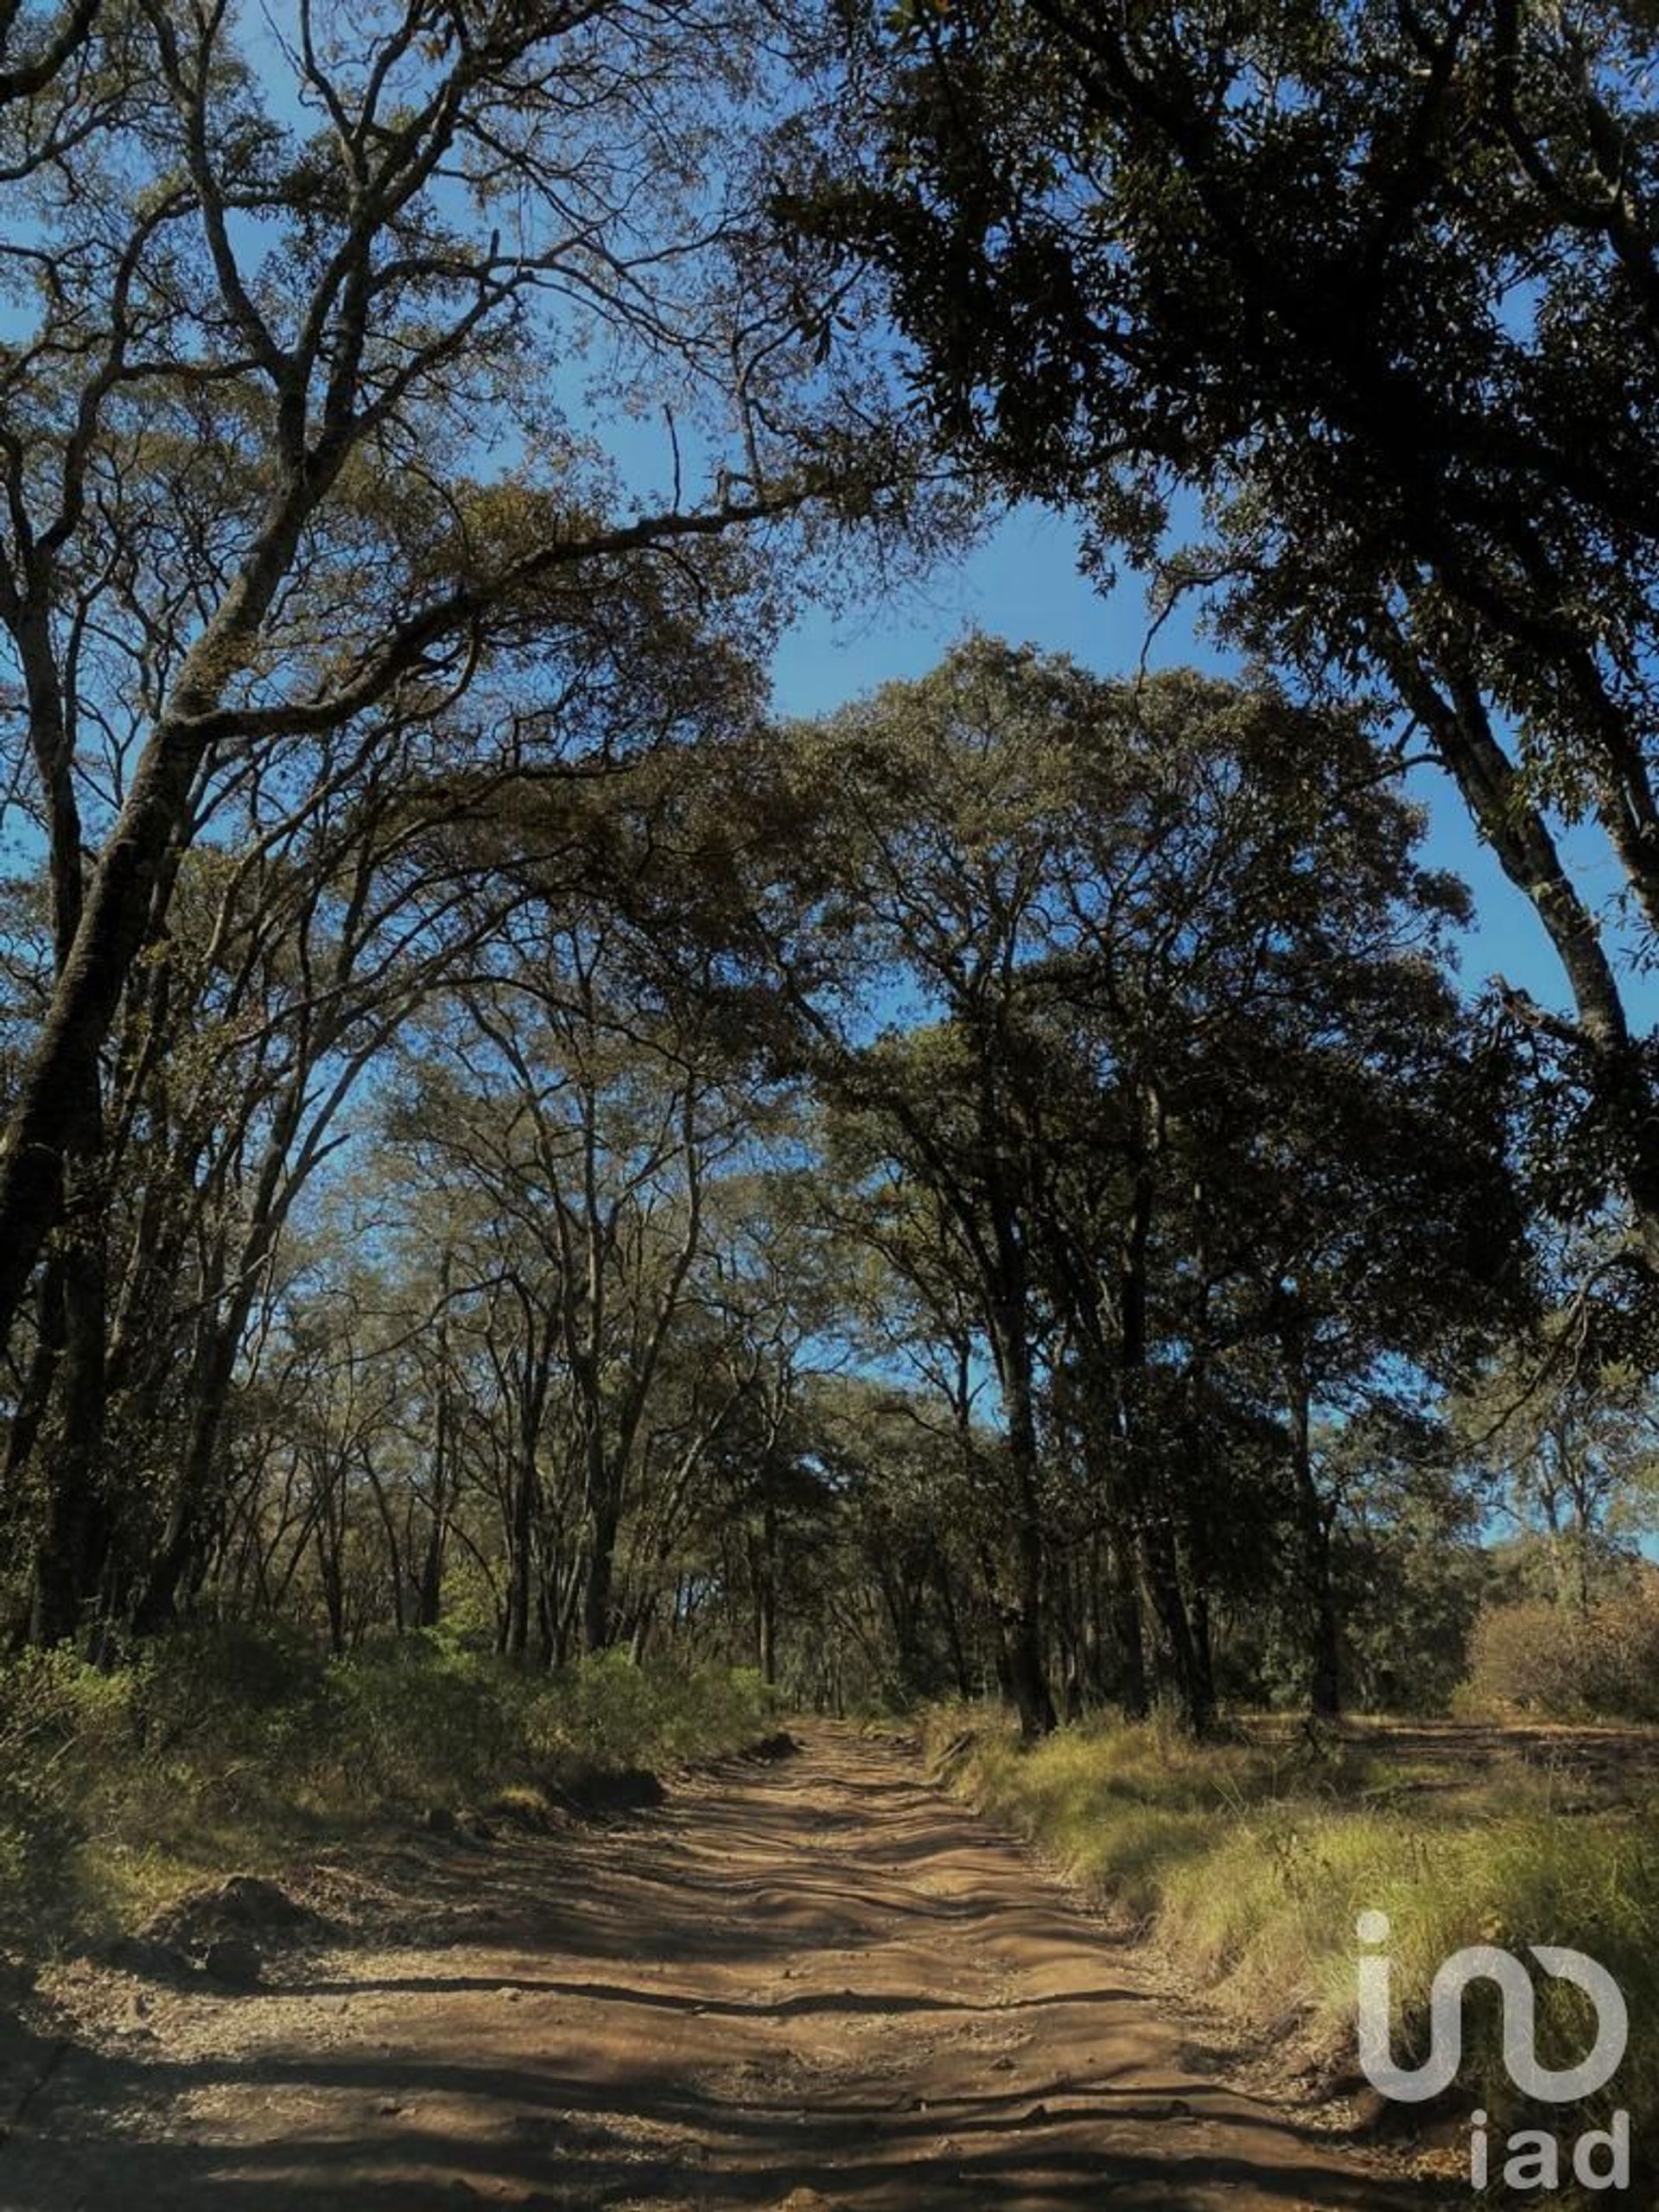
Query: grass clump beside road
{"type": "Point", "coordinates": [227, 1750]}
{"type": "Point", "coordinates": [1248, 1862]}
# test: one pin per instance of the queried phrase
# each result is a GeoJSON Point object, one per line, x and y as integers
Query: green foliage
{"type": "Point", "coordinates": [1295, 264]}
{"type": "Point", "coordinates": [1184, 1132]}
{"type": "Point", "coordinates": [1410, 1568]}
{"type": "Point", "coordinates": [607, 1713]}
{"type": "Point", "coordinates": [419, 1716]}
{"type": "Point", "coordinates": [62, 1726]}
{"type": "Point", "coordinates": [1561, 1420]}
{"type": "Point", "coordinates": [233, 1747]}
{"type": "Point", "coordinates": [210, 1692]}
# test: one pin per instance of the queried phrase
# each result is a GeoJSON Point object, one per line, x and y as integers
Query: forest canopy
{"type": "Point", "coordinates": [509, 1137]}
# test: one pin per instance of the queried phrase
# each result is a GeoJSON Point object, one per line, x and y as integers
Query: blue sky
{"type": "Point", "coordinates": [1022, 583]}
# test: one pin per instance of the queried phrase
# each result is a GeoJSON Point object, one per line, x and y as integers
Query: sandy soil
{"type": "Point", "coordinates": [807, 1984]}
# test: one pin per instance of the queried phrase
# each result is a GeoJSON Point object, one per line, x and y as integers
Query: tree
{"type": "Point", "coordinates": [1569, 1438]}
{"type": "Point", "coordinates": [942, 819]}
{"type": "Point", "coordinates": [1367, 1243]}
{"type": "Point", "coordinates": [1173, 1122]}
{"type": "Point", "coordinates": [286, 427]}
{"type": "Point", "coordinates": [1377, 283]}
{"type": "Point", "coordinates": [1410, 1568]}
{"type": "Point", "coordinates": [328, 897]}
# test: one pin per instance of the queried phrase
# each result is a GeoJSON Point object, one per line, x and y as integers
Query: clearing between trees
{"type": "Point", "coordinates": [811, 1981]}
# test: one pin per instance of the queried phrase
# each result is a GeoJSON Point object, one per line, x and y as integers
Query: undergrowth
{"type": "Point", "coordinates": [237, 1749]}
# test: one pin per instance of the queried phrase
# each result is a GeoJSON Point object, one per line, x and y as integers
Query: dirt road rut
{"type": "Point", "coordinates": [813, 1984]}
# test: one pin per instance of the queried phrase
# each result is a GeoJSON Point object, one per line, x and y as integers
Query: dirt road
{"type": "Point", "coordinates": [810, 1984]}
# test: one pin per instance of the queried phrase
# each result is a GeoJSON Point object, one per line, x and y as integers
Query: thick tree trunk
{"type": "Point", "coordinates": [84, 1001]}
{"type": "Point", "coordinates": [1194, 1694]}
{"type": "Point", "coordinates": [1203, 1657]}
{"type": "Point", "coordinates": [29, 1415]}
{"type": "Point", "coordinates": [118, 909]}
{"type": "Point", "coordinates": [640, 1635]}
{"type": "Point", "coordinates": [181, 1544]}
{"type": "Point", "coordinates": [70, 1561]}
{"type": "Point", "coordinates": [1028, 1678]}
{"type": "Point", "coordinates": [75, 1541]}
{"type": "Point", "coordinates": [598, 1614]}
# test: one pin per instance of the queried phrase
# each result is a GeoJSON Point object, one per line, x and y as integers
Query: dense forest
{"type": "Point", "coordinates": [1003, 1187]}
{"type": "Point", "coordinates": [829, 872]}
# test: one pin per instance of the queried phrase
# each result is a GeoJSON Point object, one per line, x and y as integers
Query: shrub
{"type": "Point", "coordinates": [415, 1716]}
{"type": "Point", "coordinates": [607, 1713]}
{"type": "Point", "coordinates": [229, 1746]}
{"type": "Point", "coordinates": [65, 1729]}
{"type": "Point", "coordinates": [1562, 1662]}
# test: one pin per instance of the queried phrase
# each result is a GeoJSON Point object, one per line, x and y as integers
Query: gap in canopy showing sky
{"type": "Point", "coordinates": [1022, 583]}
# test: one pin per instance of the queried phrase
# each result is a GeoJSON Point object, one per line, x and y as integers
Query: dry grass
{"type": "Point", "coordinates": [1249, 1862]}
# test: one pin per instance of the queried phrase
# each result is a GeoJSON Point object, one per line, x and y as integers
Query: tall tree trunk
{"type": "Point", "coordinates": [330, 1536]}
{"type": "Point", "coordinates": [959, 1669]}
{"type": "Point", "coordinates": [1023, 1615]}
{"type": "Point", "coordinates": [118, 911]}
{"type": "Point", "coordinates": [180, 1547]}
{"type": "Point", "coordinates": [598, 1618]}
{"type": "Point", "coordinates": [1325, 1634]}
{"type": "Point", "coordinates": [1134, 1697]}
{"type": "Point", "coordinates": [428, 1600]}
{"type": "Point", "coordinates": [83, 1007]}
{"type": "Point", "coordinates": [1161, 1567]}
{"type": "Point", "coordinates": [768, 1592]}
{"type": "Point", "coordinates": [1204, 1658]}
{"type": "Point", "coordinates": [1155, 1533]}
{"type": "Point", "coordinates": [521, 1565]}
{"type": "Point", "coordinates": [643, 1627]}
{"type": "Point", "coordinates": [75, 1542]}
{"type": "Point", "coordinates": [69, 1564]}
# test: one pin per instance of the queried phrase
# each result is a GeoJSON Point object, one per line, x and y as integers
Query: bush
{"type": "Point", "coordinates": [416, 1718]}
{"type": "Point", "coordinates": [231, 1747]}
{"type": "Point", "coordinates": [1561, 1663]}
{"type": "Point", "coordinates": [64, 1729]}
{"type": "Point", "coordinates": [606, 1712]}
